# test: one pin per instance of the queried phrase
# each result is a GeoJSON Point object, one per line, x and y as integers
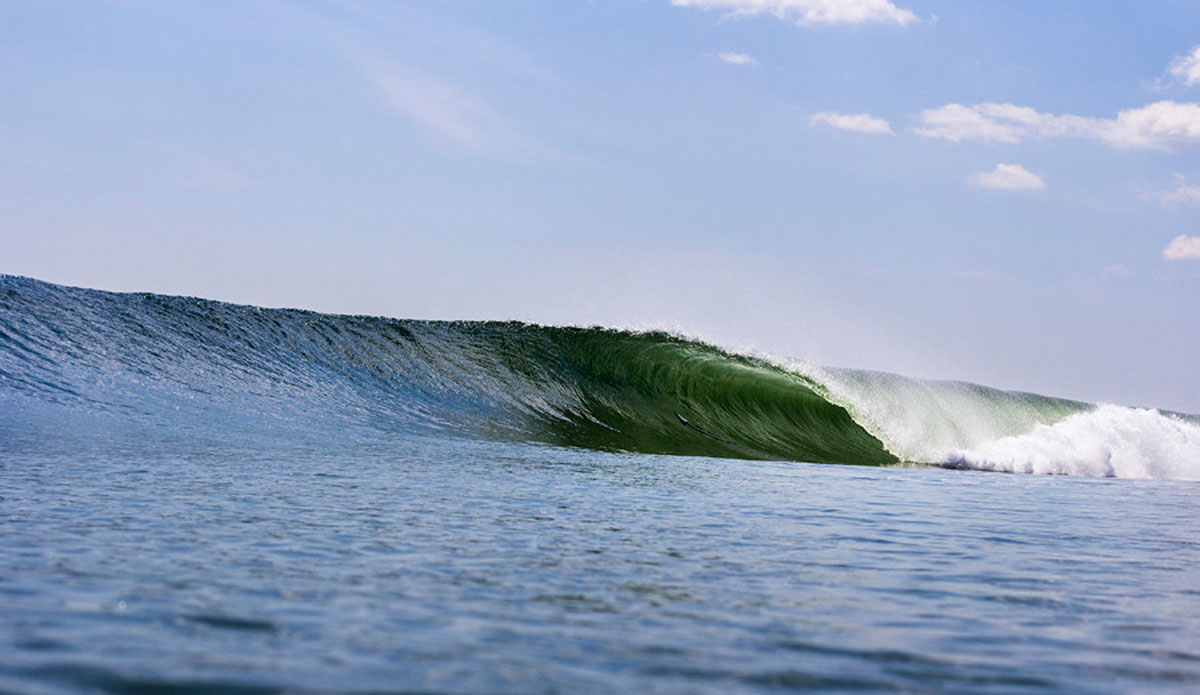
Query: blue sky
{"type": "Point", "coordinates": [1003, 192]}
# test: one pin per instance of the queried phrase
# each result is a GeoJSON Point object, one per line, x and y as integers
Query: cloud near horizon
{"type": "Point", "coordinates": [1183, 248]}
{"type": "Point", "coordinates": [807, 12]}
{"type": "Point", "coordinates": [1011, 177]}
{"type": "Point", "coordinates": [855, 122]}
{"type": "Point", "coordinates": [1163, 125]}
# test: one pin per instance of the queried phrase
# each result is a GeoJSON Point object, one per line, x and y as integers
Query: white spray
{"type": "Point", "coordinates": [969, 426]}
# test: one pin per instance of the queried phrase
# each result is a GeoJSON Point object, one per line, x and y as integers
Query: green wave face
{"type": "Point", "coordinates": [162, 359]}
{"type": "Point", "coordinates": [656, 393]}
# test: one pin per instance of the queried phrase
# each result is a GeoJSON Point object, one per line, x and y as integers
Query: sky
{"type": "Point", "coordinates": [1000, 192]}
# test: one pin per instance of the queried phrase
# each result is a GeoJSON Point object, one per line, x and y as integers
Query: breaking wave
{"type": "Point", "coordinates": [159, 361]}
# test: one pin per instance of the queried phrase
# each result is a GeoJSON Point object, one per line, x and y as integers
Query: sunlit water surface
{"type": "Point", "coordinates": [136, 564]}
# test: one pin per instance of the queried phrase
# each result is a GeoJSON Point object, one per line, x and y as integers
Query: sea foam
{"type": "Point", "coordinates": [1110, 441]}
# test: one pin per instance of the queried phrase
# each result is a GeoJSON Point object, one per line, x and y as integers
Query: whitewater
{"type": "Point", "coordinates": [965, 425]}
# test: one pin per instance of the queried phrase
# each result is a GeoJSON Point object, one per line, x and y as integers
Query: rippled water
{"type": "Point", "coordinates": [130, 563]}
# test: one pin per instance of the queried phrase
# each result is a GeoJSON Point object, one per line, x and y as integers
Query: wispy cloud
{"type": "Point", "coordinates": [1184, 195]}
{"type": "Point", "coordinates": [1183, 248]}
{"type": "Point", "coordinates": [810, 11]}
{"type": "Point", "coordinates": [1012, 177]}
{"type": "Point", "coordinates": [856, 122]}
{"type": "Point", "coordinates": [1117, 270]}
{"type": "Point", "coordinates": [1163, 125]}
{"type": "Point", "coordinates": [392, 49]}
{"type": "Point", "coordinates": [736, 58]}
{"type": "Point", "coordinates": [1186, 68]}
{"type": "Point", "coordinates": [437, 106]}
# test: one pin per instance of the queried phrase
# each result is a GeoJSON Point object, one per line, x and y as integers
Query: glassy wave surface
{"type": "Point", "coordinates": [90, 356]}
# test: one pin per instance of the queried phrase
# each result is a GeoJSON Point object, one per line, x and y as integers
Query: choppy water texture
{"type": "Point", "coordinates": [199, 497]}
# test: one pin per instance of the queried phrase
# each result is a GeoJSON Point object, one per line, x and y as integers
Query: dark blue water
{"type": "Point", "coordinates": [200, 498]}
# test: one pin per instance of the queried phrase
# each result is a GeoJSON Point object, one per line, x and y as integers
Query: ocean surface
{"type": "Point", "coordinates": [198, 497]}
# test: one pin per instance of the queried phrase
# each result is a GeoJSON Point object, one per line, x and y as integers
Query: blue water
{"type": "Point", "coordinates": [181, 515]}
{"type": "Point", "coordinates": [417, 564]}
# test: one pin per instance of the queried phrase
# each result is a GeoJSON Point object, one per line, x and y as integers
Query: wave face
{"type": "Point", "coordinates": [160, 360]}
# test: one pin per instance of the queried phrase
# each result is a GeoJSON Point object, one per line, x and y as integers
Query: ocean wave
{"type": "Point", "coordinates": [162, 361]}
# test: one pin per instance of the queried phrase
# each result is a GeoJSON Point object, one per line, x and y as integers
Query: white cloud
{"type": "Point", "coordinates": [811, 11]}
{"type": "Point", "coordinates": [1161, 125]}
{"type": "Point", "coordinates": [857, 122]}
{"type": "Point", "coordinates": [1117, 270]}
{"type": "Point", "coordinates": [1013, 177]}
{"type": "Point", "coordinates": [1183, 248]}
{"type": "Point", "coordinates": [955, 122]}
{"type": "Point", "coordinates": [1184, 195]}
{"type": "Point", "coordinates": [996, 123]}
{"type": "Point", "coordinates": [1186, 68]}
{"type": "Point", "coordinates": [736, 58]}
